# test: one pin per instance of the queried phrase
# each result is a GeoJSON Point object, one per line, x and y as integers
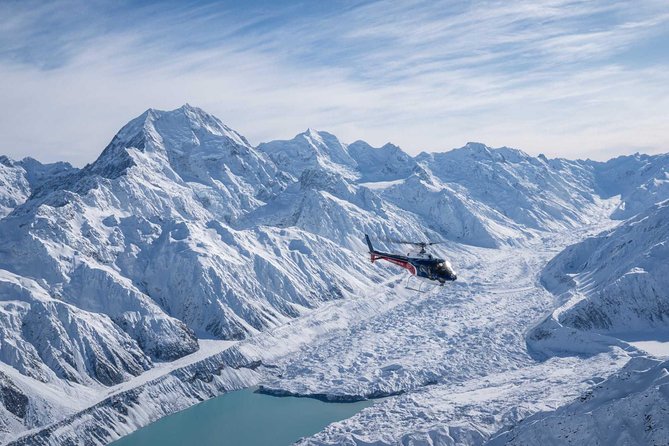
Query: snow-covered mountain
{"type": "Point", "coordinates": [629, 408]}
{"type": "Point", "coordinates": [128, 260]}
{"type": "Point", "coordinates": [617, 280]}
{"type": "Point", "coordinates": [181, 231]}
{"type": "Point", "coordinates": [19, 179]}
{"type": "Point", "coordinates": [640, 180]}
{"type": "Point", "coordinates": [531, 192]}
{"type": "Point", "coordinates": [386, 163]}
{"type": "Point", "coordinates": [311, 150]}
{"type": "Point", "coordinates": [476, 194]}
{"type": "Point", "coordinates": [612, 286]}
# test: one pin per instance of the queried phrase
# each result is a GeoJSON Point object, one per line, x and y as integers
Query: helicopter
{"type": "Point", "coordinates": [423, 265]}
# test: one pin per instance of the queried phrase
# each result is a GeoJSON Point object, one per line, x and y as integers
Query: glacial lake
{"type": "Point", "coordinates": [243, 418]}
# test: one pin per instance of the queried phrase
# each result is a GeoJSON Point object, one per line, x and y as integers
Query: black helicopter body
{"type": "Point", "coordinates": [423, 266]}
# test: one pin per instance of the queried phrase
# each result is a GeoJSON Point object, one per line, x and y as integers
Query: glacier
{"type": "Point", "coordinates": [184, 263]}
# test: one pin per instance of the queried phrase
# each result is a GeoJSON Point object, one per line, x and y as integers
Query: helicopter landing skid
{"type": "Point", "coordinates": [423, 287]}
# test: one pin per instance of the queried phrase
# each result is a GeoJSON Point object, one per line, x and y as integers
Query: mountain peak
{"type": "Point", "coordinates": [386, 163]}
{"type": "Point", "coordinates": [483, 151]}
{"type": "Point", "coordinates": [185, 119]}
{"type": "Point", "coordinates": [477, 149]}
{"type": "Point", "coordinates": [173, 134]}
{"type": "Point", "coordinates": [473, 145]}
{"type": "Point", "coordinates": [196, 119]}
{"type": "Point", "coordinates": [188, 107]}
{"type": "Point", "coordinates": [311, 132]}
{"type": "Point", "coordinates": [6, 161]}
{"type": "Point", "coordinates": [319, 138]}
{"type": "Point", "coordinates": [309, 149]}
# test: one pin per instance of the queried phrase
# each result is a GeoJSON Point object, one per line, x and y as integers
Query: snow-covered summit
{"type": "Point", "coordinates": [385, 163]}
{"type": "Point", "coordinates": [310, 150]}
{"type": "Point", "coordinates": [20, 179]}
{"type": "Point", "coordinates": [530, 191]}
{"type": "Point", "coordinates": [640, 180]}
{"type": "Point", "coordinates": [195, 144]}
{"type": "Point", "coordinates": [179, 126]}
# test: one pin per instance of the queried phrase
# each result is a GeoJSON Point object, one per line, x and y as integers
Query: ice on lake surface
{"type": "Point", "coordinates": [244, 417]}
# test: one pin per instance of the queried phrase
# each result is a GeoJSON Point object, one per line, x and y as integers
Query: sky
{"type": "Point", "coordinates": [569, 78]}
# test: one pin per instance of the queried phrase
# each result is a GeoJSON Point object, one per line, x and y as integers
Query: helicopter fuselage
{"type": "Point", "coordinates": [431, 268]}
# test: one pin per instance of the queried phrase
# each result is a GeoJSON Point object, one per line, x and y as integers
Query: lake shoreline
{"type": "Point", "coordinates": [246, 417]}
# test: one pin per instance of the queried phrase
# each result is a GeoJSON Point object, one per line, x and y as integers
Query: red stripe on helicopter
{"type": "Point", "coordinates": [406, 265]}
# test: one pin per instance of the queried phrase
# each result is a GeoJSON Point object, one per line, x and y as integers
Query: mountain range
{"type": "Point", "coordinates": [181, 232]}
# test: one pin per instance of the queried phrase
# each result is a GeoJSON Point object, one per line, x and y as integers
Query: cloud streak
{"type": "Point", "coordinates": [561, 77]}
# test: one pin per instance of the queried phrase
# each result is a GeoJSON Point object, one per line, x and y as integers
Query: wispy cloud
{"type": "Point", "coordinates": [563, 77]}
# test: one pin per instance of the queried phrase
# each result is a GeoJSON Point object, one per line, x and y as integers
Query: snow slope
{"type": "Point", "coordinates": [629, 408]}
{"type": "Point", "coordinates": [612, 287]}
{"type": "Point", "coordinates": [640, 180]}
{"type": "Point", "coordinates": [619, 278]}
{"type": "Point", "coordinates": [532, 192]}
{"type": "Point", "coordinates": [14, 186]}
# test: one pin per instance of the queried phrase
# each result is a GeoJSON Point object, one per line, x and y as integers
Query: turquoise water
{"type": "Point", "coordinates": [243, 418]}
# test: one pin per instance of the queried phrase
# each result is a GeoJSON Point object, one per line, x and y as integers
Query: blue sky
{"type": "Point", "coordinates": [560, 77]}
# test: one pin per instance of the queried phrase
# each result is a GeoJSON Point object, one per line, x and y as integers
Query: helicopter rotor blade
{"type": "Point", "coordinates": [406, 242]}
{"type": "Point", "coordinates": [393, 240]}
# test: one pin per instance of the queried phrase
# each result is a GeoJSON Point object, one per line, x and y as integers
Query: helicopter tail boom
{"type": "Point", "coordinates": [392, 258]}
